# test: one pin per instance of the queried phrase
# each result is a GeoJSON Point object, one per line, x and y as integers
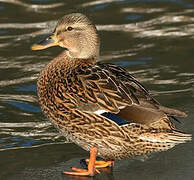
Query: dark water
{"type": "Point", "coordinates": [153, 39]}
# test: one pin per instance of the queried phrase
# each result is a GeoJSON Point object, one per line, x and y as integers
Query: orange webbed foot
{"type": "Point", "coordinates": [102, 164]}
{"type": "Point", "coordinates": [82, 172]}
{"type": "Point", "coordinates": [91, 166]}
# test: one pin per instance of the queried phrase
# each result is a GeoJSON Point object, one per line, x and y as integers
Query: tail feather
{"type": "Point", "coordinates": [179, 137]}
{"type": "Point", "coordinates": [147, 139]}
{"type": "Point", "coordinates": [162, 141]}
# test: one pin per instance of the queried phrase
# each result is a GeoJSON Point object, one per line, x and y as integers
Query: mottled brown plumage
{"type": "Point", "coordinates": [76, 92]}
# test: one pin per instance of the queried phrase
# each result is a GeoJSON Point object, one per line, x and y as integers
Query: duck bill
{"type": "Point", "coordinates": [47, 42]}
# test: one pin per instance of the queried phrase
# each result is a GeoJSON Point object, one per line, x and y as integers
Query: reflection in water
{"type": "Point", "coordinates": [125, 53]}
{"type": "Point", "coordinates": [150, 29]}
{"type": "Point", "coordinates": [32, 6]}
{"type": "Point", "coordinates": [143, 10]}
{"type": "Point", "coordinates": [17, 81]}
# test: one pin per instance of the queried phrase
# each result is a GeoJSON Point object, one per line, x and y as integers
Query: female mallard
{"type": "Point", "coordinates": [100, 107]}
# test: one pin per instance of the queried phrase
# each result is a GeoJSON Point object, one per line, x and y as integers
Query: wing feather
{"type": "Point", "coordinates": [107, 87]}
{"type": "Point", "coordinates": [111, 87]}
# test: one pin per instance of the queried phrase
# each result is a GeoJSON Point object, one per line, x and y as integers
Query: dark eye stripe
{"type": "Point", "coordinates": [63, 30]}
{"type": "Point", "coordinates": [59, 32]}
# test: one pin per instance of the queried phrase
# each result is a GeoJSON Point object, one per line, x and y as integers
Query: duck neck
{"type": "Point", "coordinates": [64, 61]}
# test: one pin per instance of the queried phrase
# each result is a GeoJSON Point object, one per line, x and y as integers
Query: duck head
{"type": "Point", "coordinates": [76, 33]}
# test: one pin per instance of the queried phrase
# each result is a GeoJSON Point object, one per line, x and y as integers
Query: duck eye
{"type": "Point", "coordinates": [69, 28]}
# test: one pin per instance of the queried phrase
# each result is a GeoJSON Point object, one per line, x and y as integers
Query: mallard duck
{"type": "Point", "coordinates": [100, 107]}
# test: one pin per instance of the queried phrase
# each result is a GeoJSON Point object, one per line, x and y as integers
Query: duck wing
{"type": "Point", "coordinates": [112, 89]}
{"type": "Point", "coordinates": [114, 109]}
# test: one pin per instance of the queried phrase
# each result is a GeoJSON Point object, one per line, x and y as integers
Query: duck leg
{"type": "Point", "coordinates": [102, 164]}
{"type": "Point", "coordinates": [91, 166]}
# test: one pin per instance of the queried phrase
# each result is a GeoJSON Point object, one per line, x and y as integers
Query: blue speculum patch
{"type": "Point", "coordinates": [115, 118]}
